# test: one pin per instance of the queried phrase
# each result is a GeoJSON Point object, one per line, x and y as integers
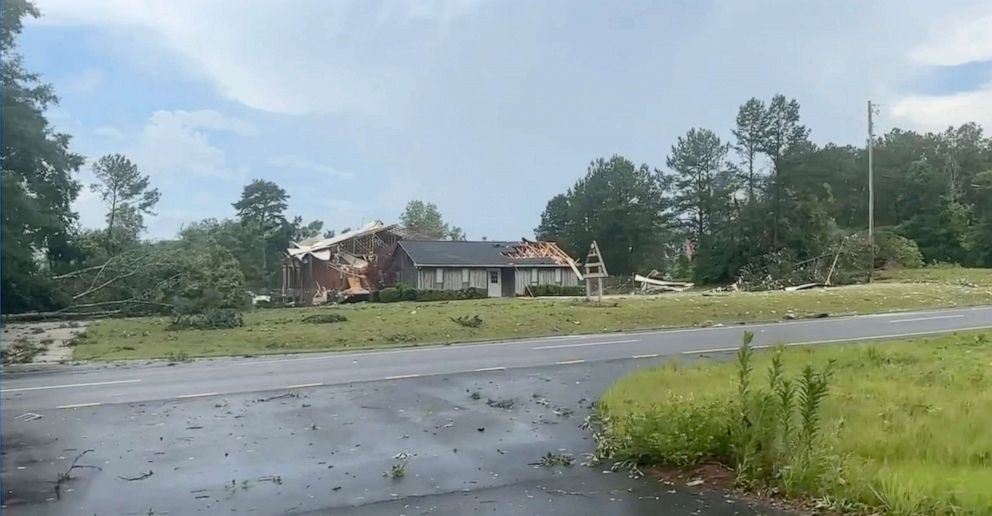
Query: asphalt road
{"type": "Point", "coordinates": [126, 383]}
{"type": "Point", "coordinates": [313, 434]}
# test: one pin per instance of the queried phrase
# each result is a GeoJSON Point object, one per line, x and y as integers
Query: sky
{"type": "Point", "coordinates": [487, 108]}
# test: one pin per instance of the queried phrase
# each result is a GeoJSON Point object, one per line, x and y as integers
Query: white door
{"type": "Point", "coordinates": [495, 283]}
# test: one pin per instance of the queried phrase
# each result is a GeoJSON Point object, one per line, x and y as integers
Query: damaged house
{"type": "Point", "coordinates": [503, 269]}
{"type": "Point", "coordinates": [315, 269]}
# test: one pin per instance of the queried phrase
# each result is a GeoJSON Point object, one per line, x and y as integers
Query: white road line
{"type": "Point", "coordinates": [304, 385]}
{"type": "Point", "coordinates": [584, 344]}
{"type": "Point", "coordinates": [486, 369]}
{"type": "Point", "coordinates": [566, 362]}
{"type": "Point", "coordinates": [927, 318]}
{"type": "Point", "coordinates": [846, 339]}
{"type": "Point", "coordinates": [401, 376]}
{"type": "Point", "coordinates": [649, 355]}
{"type": "Point", "coordinates": [198, 395]}
{"type": "Point", "coordinates": [68, 385]}
{"type": "Point", "coordinates": [77, 405]}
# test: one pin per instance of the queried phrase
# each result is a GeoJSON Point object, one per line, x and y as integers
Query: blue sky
{"type": "Point", "coordinates": [487, 108]}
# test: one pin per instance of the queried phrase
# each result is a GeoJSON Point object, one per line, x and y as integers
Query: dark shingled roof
{"type": "Point", "coordinates": [459, 253]}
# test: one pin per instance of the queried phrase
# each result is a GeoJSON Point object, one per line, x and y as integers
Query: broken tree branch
{"type": "Point", "coordinates": [139, 477]}
{"type": "Point", "coordinates": [67, 476]}
{"type": "Point", "coordinates": [121, 302]}
{"type": "Point", "coordinates": [102, 285]}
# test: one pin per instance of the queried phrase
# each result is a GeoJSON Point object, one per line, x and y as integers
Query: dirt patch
{"type": "Point", "coordinates": [710, 475]}
{"type": "Point", "coordinates": [47, 342]}
{"type": "Point", "coordinates": [713, 476]}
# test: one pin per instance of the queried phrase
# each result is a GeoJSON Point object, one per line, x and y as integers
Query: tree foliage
{"type": "Point", "coordinates": [785, 207]}
{"type": "Point", "coordinates": [127, 194]}
{"type": "Point", "coordinates": [425, 219]}
{"type": "Point", "coordinates": [37, 175]}
{"type": "Point", "coordinates": [622, 207]}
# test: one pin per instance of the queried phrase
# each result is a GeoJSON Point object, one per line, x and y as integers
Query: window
{"type": "Point", "coordinates": [533, 276]}
{"type": "Point", "coordinates": [558, 275]}
{"type": "Point", "coordinates": [465, 278]}
{"type": "Point", "coordinates": [439, 276]}
{"type": "Point", "coordinates": [494, 277]}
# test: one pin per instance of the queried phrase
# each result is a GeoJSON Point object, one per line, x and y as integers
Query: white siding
{"type": "Point", "coordinates": [451, 278]}
{"type": "Point", "coordinates": [526, 276]}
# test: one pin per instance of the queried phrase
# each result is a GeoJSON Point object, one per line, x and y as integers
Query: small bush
{"type": "Point", "coordinates": [403, 293]}
{"type": "Point", "coordinates": [213, 319]}
{"type": "Point", "coordinates": [324, 318]}
{"type": "Point", "coordinates": [556, 290]}
{"type": "Point", "coordinates": [897, 250]}
{"type": "Point", "coordinates": [390, 295]}
{"type": "Point", "coordinates": [468, 322]}
{"type": "Point", "coordinates": [769, 432]}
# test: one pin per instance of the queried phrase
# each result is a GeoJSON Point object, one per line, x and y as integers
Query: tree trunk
{"type": "Point", "coordinates": [110, 225]}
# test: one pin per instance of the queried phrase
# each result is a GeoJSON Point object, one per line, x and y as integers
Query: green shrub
{"type": "Point", "coordinates": [404, 293]}
{"type": "Point", "coordinates": [893, 249]}
{"type": "Point", "coordinates": [769, 432]}
{"type": "Point", "coordinates": [324, 318]}
{"type": "Point", "coordinates": [211, 319]}
{"type": "Point", "coordinates": [390, 295]}
{"type": "Point", "coordinates": [556, 290]}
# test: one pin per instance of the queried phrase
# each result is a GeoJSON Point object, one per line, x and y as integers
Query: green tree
{"type": "Point", "coordinates": [425, 219]}
{"type": "Point", "coordinates": [261, 209]}
{"type": "Point", "coordinates": [703, 182]}
{"type": "Point", "coordinates": [303, 231]}
{"type": "Point", "coordinates": [264, 203]}
{"type": "Point", "coordinates": [126, 193]}
{"type": "Point", "coordinates": [751, 132]}
{"type": "Point", "coordinates": [625, 208]}
{"type": "Point", "coordinates": [37, 176]}
{"type": "Point", "coordinates": [784, 134]}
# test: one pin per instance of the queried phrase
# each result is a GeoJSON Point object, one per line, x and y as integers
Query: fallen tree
{"type": "Point", "coordinates": [180, 279]}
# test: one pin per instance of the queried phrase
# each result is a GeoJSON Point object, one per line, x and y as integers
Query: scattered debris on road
{"type": "Point", "coordinates": [500, 403]}
{"type": "Point", "coordinates": [550, 460]}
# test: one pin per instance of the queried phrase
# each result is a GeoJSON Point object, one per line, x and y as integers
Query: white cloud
{"type": "Point", "coordinates": [957, 42]}
{"type": "Point", "coordinates": [89, 206]}
{"type": "Point", "coordinates": [318, 57]}
{"type": "Point", "coordinates": [960, 38]}
{"type": "Point", "coordinates": [86, 81]}
{"type": "Point", "coordinates": [937, 112]}
{"type": "Point", "coordinates": [175, 145]}
{"type": "Point", "coordinates": [108, 132]}
{"type": "Point", "coordinates": [302, 163]}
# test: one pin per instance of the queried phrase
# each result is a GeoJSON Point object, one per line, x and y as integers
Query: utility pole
{"type": "Point", "coordinates": [871, 193]}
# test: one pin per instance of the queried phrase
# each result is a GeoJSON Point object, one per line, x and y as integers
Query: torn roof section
{"type": "Point", "coordinates": [364, 241]}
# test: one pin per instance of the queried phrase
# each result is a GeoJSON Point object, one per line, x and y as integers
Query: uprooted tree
{"type": "Point", "coordinates": [198, 284]}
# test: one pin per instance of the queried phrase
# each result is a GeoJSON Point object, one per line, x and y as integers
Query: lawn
{"type": "Point", "coordinates": [947, 274]}
{"type": "Point", "coordinates": [904, 427]}
{"type": "Point", "coordinates": [412, 323]}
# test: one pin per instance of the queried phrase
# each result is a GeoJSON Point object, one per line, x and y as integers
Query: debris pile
{"type": "Point", "coordinates": [652, 283]}
{"type": "Point", "coordinates": [336, 269]}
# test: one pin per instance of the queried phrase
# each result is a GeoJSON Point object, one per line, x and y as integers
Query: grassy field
{"type": "Point", "coordinates": [905, 425]}
{"type": "Point", "coordinates": [949, 275]}
{"type": "Point", "coordinates": [410, 323]}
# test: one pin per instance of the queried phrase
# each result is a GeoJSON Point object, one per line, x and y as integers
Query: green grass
{"type": "Point", "coordinates": [947, 274]}
{"type": "Point", "coordinates": [409, 323]}
{"type": "Point", "coordinates": [906, 425]}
